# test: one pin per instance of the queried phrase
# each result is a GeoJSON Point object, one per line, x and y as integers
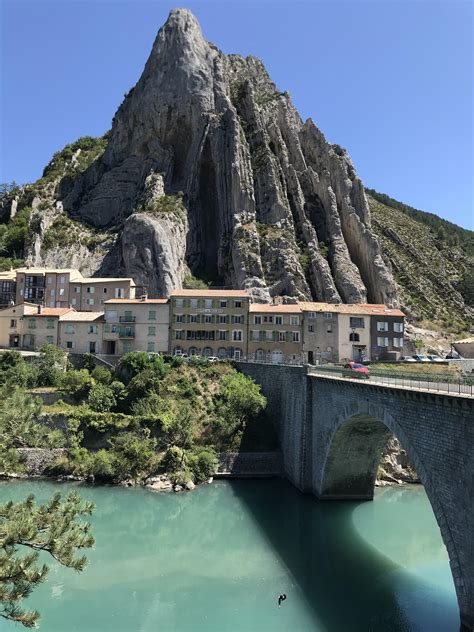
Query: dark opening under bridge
{"type": "Point", "coordinates": [333, 431]}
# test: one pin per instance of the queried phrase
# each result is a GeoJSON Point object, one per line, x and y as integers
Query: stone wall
{"type": "Point", "coordinates": [37, 460]}
{"type": "Point", "coordinates": [249, 464]}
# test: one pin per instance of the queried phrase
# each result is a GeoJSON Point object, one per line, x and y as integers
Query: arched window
{"type": "Point", "coordinates": [237, 335]}
{"type": "Point", "coordinates": [260, 355]}
{"type": "Point", "coordinates": [207, 351]}
{"type": "Point", "coordinates": [222, 352]}
{"type": "Point", "coordinates": [353, 337]}
{"type": "Point", "coordinates": [192, 351]}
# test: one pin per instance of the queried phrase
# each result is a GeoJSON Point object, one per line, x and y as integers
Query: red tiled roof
{"type": "Point", "coordinates": [128, 301]}
{"type": "Point", "coordinates": [210, 293]}
{"type": "Point", "coordinates": [284, 308]}
{"type": "Point", "coordinates": [370, 309]}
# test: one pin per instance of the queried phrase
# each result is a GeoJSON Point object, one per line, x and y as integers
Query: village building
{"type": "Point", "coordinates": [28, 326]}
{"type": "Point", "coordinates": [275, 333]}
{"type": "Point", "coordinates": [320, 331]}
{"type": "Point", "coordinates": [81, 332]}
{"type": "Point", "coordinates": [90, 294]}
{"type": "Point", "coordinates": [139, 324]}
{"type": "Point", "coordinates": [209, 322]}
{"type": "Point", "coordinates": [7, 288]}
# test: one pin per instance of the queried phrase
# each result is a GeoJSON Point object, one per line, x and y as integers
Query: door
{"type": "Point", "coordinates": [14, 341]}
{"type": "Point", "coordinates": [359, 353]}
{"type": "Point", "coordinates": [92, 347]}
{"type": "Point", "coordinates": [277, 357]}
{"type": "Point", "coordinates": [260, 355]}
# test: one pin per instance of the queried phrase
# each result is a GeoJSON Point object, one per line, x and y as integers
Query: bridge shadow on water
{"type": "Point", "coordinates": [342, 576]}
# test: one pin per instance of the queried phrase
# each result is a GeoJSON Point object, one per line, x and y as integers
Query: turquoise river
{"type": "Point", "coordinates": [217, 558]}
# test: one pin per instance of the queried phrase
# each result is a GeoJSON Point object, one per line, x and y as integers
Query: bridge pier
{"type": "Point", "coordinates": [333, 432]}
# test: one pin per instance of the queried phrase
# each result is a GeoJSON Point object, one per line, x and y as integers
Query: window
{"type": "Point", "coordinates": [327, 315]}
{"type": "Point", "coordinates": [92, 347]}
{"type": "Point", "coordinates": [311, 314]}
{"type": "Point", "coordinates": [254, 334]}
{"type": "Point", "coordinates": [90, 290]}
{"type": "Point", "coordinates": [51, 292]}
{"type": "Point", "coordinates": [278, 320]}
{"type": "Point", "coordinates": [382, 342]}
{"type": "Point", "coordinates": [120, 293]}
{"type": "Point", "coordinates": [69, 329]}
{"type": "Point", "coordinates": [180, 318]}
{"type": "Point", "coordinates": [329, 329]}
{"type": "Point", "coordinates": [61, 291]}
{"type": "Point", "coordinates": [353, 337]}
{"type": "Point", "coordinates": [310, 329]}
{"type": "Point", "coordinates": [92, 329]}
{"type": "Point", "coordinates": [208, 303]}
{"type": "Point", "coordinates": [77, 289]}
{"type": "Point", "coordinates": [257, 320]}
{"type": "Point", "coordinates": [74, 301]}
{"type": "Point", "coordinates": [382, 326]}
{"type": "Point", "coordinates": [294, 320]}
{"type": "Point", "coordinates": [208, 318]}
{"type": "Point", "coordinates": [237, 304]}
{"type": "Point", "coordinates": [237, 334]}
{"type": "Point", "coordinates": [222, 335]}
{"type": "Point", "coordinates": [193, 318]}
{"type": "Point", "coordinates": [269, 334]}
{"type": "Point", "coordinates": [296, 336]}
{"type": "Point", "coordinates": [398, 342]}
{"type": "Point", "coordinates": [152, 315]}
{"type": "Point", "coordinates": [223, 304]}
{"type": "Point", "coordinates": [90, 301]}
{"type": "Point", "coordinates": [111, 315]}
{"type": "Point", "coordinates": [50, 323]}
{"type": "Point", "coordinates": [178, 302]}
{"type": "Point", "coordinates": [62, 279]}
{"type": "Point", "coordinates": [282, 336]}
{"type": "Point", "coordinates": [398, 328]}
{"type": "Point", "coordinates": [150, 347]}
{"type": "Point", "coordinates": [179, 334]}
{"type": "Point", "coordinates": [127, 346]}
{"type": "Point", "coordinates": [356, 323]}
{"type": "Point", "coordinates": [13, 322]}
{"type": "Point", "coordinates": [32, 323]}
{"type": "Point", "coordinates": [105, 290]}
{"type": "Point", "coordinates": [223, 320]}
{"type": "Point", "coordinates": [194, 303]}
{"type": "Point", "coordinates": [50, 340]}
{"type": "Point", "coordinates": [238, 320]}
{"type": "Point", "coordinates": [49, 280]}
{"type": "Point", "coordinates": [268, 319]}
{"type": "Point", "coordinates": [152, 331]}
{"type": "Point", "coordinates": [69, 344]}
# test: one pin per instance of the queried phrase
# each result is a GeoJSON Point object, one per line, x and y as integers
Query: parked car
{"type": "Point", "coordinates": [213, 359]}
{"type": "Point", "coordinates": [407, 359]}
{"type": "Point", "coordinates": [434, 358]}
{"type": "Point", "coordinates": [356, 368]}
{"type": "Point", "coordinates": [419, 357]}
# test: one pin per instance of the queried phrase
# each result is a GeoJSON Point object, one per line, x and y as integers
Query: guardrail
{"type": "Point", "coordinates": [424, 382]}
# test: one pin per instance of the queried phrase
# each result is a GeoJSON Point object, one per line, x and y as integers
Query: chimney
{"type": "Point", "coordinates": [144, 298]}
{"type": "Point", "coordinates": [40, 309]}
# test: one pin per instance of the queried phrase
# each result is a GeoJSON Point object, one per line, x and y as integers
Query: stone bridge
{"type": "Point", "coordinates": [333, 432]}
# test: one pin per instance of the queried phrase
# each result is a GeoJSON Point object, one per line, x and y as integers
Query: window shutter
{"type": "Point", "coordinates": [274, 336]}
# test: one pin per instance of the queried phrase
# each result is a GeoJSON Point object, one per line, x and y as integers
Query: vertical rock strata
{"type": "Point", "coordinates": [270, 205]}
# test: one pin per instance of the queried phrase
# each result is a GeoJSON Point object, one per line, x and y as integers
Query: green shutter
{"type": "Point", "coordinates": [274, 336]}
{"type": "Point", "coordinates": [214, 302]}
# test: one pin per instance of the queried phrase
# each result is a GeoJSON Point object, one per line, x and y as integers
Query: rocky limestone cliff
{"type": "Point", "coordinates": [270, 205]}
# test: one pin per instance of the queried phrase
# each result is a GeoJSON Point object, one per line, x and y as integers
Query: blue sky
{"type": "Point", "coordinates": [389, 80]}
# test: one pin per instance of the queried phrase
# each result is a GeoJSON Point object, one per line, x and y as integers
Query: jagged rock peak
{"type": "Point", "coordinates": [271, 205]}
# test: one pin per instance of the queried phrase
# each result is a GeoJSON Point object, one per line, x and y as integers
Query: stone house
{"type": "Point", "coordinates": [81, 332]}
{"type": "Point", "coordinates": [28, 326]}
{"type": "Point", "coordinates": [320, 331]}
{"type": "Point", "coordinates": [209, 322]}
{"type": "Point", "coordinates": [275, 333]}
{"type": "Point", "coordinates": [139, 324]}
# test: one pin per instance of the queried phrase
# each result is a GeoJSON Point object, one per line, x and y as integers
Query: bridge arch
{"type": "Point", "coordinates": [354, 447]}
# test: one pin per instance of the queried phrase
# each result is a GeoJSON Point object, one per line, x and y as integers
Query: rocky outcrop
{"type": "Point", "coordinates": [270, 205]}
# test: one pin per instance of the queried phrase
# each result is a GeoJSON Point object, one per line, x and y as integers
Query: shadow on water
{"type": "Point", "coordinates": [343, 578]}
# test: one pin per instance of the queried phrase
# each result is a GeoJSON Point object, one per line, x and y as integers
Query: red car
{"type": "Point", "coordinates": [360, 369]}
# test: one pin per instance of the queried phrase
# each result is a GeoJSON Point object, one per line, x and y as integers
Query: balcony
{"type": "Point", "coordinates": [127, 319]}
{"type": "Point", "coordinates": [126, 332]}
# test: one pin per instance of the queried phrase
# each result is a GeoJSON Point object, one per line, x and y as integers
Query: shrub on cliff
{"type": "Point", "coordinates": [101, 398]}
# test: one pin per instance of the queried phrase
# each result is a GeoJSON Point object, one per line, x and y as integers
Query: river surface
{"type": "Point", "coordinates": [217, 558]}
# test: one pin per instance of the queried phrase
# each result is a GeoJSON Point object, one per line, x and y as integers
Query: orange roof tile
{"type": "Point", "coordinates": [82, 316]}
{"type": "Point", "coordinates": [284, 308]}
{"type": "Point", "coordinates": [128, 301]}
{"type": "Point", "coordinates": [210, 293]}
{"type": "Point", "coordinates": [371, 309]}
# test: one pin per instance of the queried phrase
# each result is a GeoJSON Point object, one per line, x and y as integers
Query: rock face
{"type": "Point", "coordinates": [270, 205]}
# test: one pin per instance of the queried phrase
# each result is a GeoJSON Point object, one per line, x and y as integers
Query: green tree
{"type": "Point", "coordinates": [53, 528]}
{"type": "Point", "coordinates": [101, 398]}
{"type": "Point", "coordinates": [134, 454]}
{"type": "Point", "coordinates": [52, 363]}
{"type": "Point", "coordinates": [15, 371]}
{"type": "Point", "coordinates": [77, 383]}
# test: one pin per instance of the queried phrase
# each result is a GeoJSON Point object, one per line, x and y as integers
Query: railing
{"type": "Point", "coordinates": [126, 333]}
{"type": "Point", "coordinates": [127, 319]}
{"type": "Point", "coordinates": [440, 383]}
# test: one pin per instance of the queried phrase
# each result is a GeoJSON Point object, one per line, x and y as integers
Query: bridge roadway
{"type": "Point", "coordinates": [333, 430]}
{"type": "Point", "coordinates": [460, 388]}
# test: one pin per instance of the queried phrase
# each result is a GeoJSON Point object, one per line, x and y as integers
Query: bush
{"type": "Point", "coordinates": [101, 398]}
{"type": "Point", "coordinates": [203, 464]}
{"type": "Point", "coordinates": [77, 383]}
{"type": "Point", "coordinates": [134, 454]}
{"type": "Point", "coordinates": [16, 372]}
{"type": "Point", "coordinates": [175, 459]}
{"type": "Point", "coordinates": [51, 363]}
{"type": "Point", "coordinates": [102, 375]}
